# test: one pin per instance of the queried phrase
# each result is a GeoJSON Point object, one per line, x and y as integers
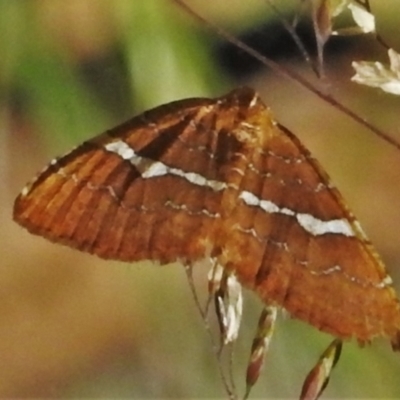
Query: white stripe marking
{"type": "Point", "coordinates": [318, 227]}
{"type": "Point", "coordinates": [121, 148]}
{"type": "Point", "coordinates": [268, 206]}
{"type": "Point", "coordinates": [155, 169]}
{"type": "Point", "coordinates": [308, 222]}
{"type": "Point", "coordinates": [386, 281]}
{"type": "Point", "coordinates": [328, 271]}
{"type": "Point", "coordinates": [150, 168]}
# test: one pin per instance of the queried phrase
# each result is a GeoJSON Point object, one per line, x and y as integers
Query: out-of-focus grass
{"type": "Point", "coordinates": [41, 76]}
{"type": "Point", "coordinates": [162, 57]}
{"type": "Point", "coordinates": [73, 325]}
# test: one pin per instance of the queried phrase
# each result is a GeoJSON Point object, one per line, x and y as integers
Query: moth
{"type": "Point", "coordinates": [220, 179]}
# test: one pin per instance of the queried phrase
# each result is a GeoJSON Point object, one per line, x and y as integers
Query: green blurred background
{"type": "Point", "coordinates": [75, 326]}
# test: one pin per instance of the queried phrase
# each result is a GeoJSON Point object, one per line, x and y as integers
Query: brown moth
{"type": "Point", "coordinates": [220, 179]}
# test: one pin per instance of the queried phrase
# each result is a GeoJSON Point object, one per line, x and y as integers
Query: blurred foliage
{"type": "Point", "coordinates": [51, 51]}
{"type": "Point", "coordinates": [88, 328]}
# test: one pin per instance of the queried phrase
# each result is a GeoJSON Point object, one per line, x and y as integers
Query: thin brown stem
{"type": "Point", "coordinates": [230, 390]}
{"type": "Point", "coordinates": [292, 75]}
{"type": "Point", "coordinates": [292, 32]}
